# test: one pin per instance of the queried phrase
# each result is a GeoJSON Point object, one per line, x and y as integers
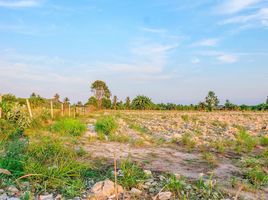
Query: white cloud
{"type": "Point", "coordinates": [209, 42]}
{"type": "Point", "coordinates": [19, 3]}
{"type": "Point", "coordinates": [153, 30]}
{"type": "Point", "coordinates": [235, 6]}
{"type": "Point", "coordinates": [227, 58]}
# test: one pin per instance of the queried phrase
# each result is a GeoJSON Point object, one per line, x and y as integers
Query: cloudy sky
{"type": "Point", "coordinates": [170, 50]}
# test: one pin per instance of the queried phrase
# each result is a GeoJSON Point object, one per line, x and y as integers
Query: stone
{"type": "Point", "coordinates": [147, 172]}
{"type": "Point", "coordinates": [46, 197]}
{"type": "Point", "coordinates": [13, 198]}
{"type": "Point", "coordinates": [12, 190]}
{"type": "Point", "coordinates": [2, 191]}
{"type": "Point", "coordinates": [58, 197]}
{"type": "Point", "coordinates": [163, 196]}
{"type": "Point", "coordinates": [3, 196]}
{"type": "Point", "coordinates": [136, 191]}
{"type": "Point", "coordinates": [105, 189]}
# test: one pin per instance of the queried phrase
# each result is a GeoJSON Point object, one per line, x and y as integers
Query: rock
{"type": "Point", "coordinates": [46, 197]}
{"type": "Point", "coordinates": [147, 172]}
{"type": "Point", "coordinates": [58, 197]}
{"type": "Point", "coordinates": [3, 196]}
{"type": "Point", "coordinates": [12, 190]}
{"type": "Point", "coordinates": [106, 189]}
{"type": "Point", "coordinates": [136, 191]}
{"type": "Point", "coordinates": [2, 191]}
{"type": "Point", "coordinates": [163, 196]}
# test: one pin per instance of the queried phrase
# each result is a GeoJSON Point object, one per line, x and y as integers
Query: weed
{"type": "Point", "coordinates": [257, 176]}
{"type": "Point", "coordinates": [139, 128]}
{"type": "Point", "coordinates": [185, 118]}
{"type": "Point", "coordinates": [68, 126]}
{"type": "Point", "coordinates": [188, 141]}
{"type": "Point", "coordinates": [106, 125]}
{"type": "Point", "coordinates": [175, 185]}
{"type": "Point", "coordinates": [132, 174]}
{"type": "Point", "coordinates": [210, 158]}
{"type": "Point", "coordinates": [264, 141]}
{"type": "Point", "coordinates": [244, 142]}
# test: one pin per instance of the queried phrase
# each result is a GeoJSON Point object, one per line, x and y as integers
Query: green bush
{"type": "Point", "coordinates": [106, 125]}
{"type": "Point", "coordinates": [264, 141]}
{"type": "Point", "coordinates": [69, 126]}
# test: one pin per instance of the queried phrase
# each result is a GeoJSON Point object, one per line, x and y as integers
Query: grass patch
{"type": "Point", "coordinates": [244, 142]}
{"type": "Point", "coordinates": [132, 174]}
{"type": "Point", "coordinates": [69, 126]}
{"type": "Point", "coordinates": [187, 140]}
{"type": "Point", "coordinates": [106, 125]}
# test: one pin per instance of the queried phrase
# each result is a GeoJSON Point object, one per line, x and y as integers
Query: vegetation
{"type": "Point", "coordinates": [69, 126]}
{"type": "Point", "coordinates": [106, 125]}
{"type": "Point", "coordinates": [142, 103]}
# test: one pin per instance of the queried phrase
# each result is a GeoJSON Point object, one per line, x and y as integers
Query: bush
{"type": "Point", "coordinates": [106, 125]}
{"type": "Point", "coordinates": [68, 126]}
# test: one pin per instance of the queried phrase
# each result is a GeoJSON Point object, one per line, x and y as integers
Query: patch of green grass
{"type": "Point", "coordinates": [54, 166]}
{"type": "Point", "coordinates": [119, 138]}
{"type": "Point", "coordinates": [132, 174]}
{"type": "Point", "coordinates": [187, 140]}
{"type": "Point", "coordinates": [257, 176]}
{"type": "Point", "coordinates": [210, 159]}
{"type": "Point", "coordinates": [244, 142]}
{"type": "Point", "coordinates": [175, 185]}
{"type": "Point", "coordinates": [140, 129]}
{"type": "Point", "coordinates": [185, 118]}
{"type": "Point", "coordinates": [69, 126]}
{"type": "Point", "coordinates": [106, 125]}
{"type": "Point", "coordinates": [264, 141]}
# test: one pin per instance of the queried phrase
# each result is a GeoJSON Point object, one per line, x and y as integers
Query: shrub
{"type": "Point", "coordinates": [257, 176]}
{"type": "Point", "coordinates": [69, 126]}
{"type": "Point", "coordinates": [132, 174]}
{"type": "Point", "coordinates": [106, 125]}
{"type": "Point", "coordinates": [264, 141]}
{"type": "Point", "coordinates": [175, 185]}
{"type": "Point", "coordinates": [188, 141]}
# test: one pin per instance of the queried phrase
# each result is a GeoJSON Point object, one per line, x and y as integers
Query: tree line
{"type": "Point", "coordinates": [102, 99]}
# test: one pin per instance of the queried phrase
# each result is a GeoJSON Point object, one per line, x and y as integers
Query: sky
{"type": "Point", "coordinates": [170, 50]}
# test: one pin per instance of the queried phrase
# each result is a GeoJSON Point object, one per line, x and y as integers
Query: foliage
{"type": "Point", "coordinates": [92, 101]}
{"type": "Point", "coordinates": [132, 174]}
{"type": "Point", "coordinates": [100, 90]}
{"type": "Point", "coordinates": [128, 103]}
{"type": "Point", "coordinates": [69, 126]}
{"type": "Point", "coordinates": [106, 125]}
{"type": "Point", "coordinates": [211, 101]}
{"type": "Point", "coordinates": [141, 103]}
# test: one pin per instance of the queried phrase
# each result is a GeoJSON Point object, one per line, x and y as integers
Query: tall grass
{"type": "Point", "coordinates": [69, 126]}
{"type": "Point", "coordinates": [106, 125]}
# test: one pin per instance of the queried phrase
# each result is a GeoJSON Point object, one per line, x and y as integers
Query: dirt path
{"type": "Point", "coordinates": [162, 159]}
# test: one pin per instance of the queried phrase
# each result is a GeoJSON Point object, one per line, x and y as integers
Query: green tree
{"type": "Point", "coordinates": [115, 102]}
{"type": "Point", "coordinates": [229, 106]}
{"type": "Point", "coordinates": [106, 103]}
{"type": "Point", "coordinates": [128, 102]}
{"type": "Point", "coordinates": [142, 103]}
{"type": "Point", "coordinates": [33, 95]}
{"type": "Point", "coordinates": [211, 101]}
{"type": "Point", "coordinates": [100, 90]}
{"type": "Point", "coordinates": [92, 101]}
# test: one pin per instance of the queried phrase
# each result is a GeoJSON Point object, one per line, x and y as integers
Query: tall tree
{"type": "Point", "coordinates": [115, 102]}
{"type": "Point", "coordinates": [211, 101]}
{"type": "Point", "coordinates": [100, 90]}
{"type": "Point", "coordinates": [128, 102]}
{"type": "Point", "coordinates": [33, 95]}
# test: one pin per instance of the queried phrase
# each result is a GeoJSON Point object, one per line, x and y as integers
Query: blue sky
{"type": "Point", "coordinates": [170, 50]}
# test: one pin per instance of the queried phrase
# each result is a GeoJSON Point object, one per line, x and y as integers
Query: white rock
{"type": "Point", "coordinates": [163, 196]}
{"type": "Point", "coordinates": [136, 191]}
{"type": "Point", "coordinates": [147, 172]}
{"type": "Point", "coordinates": [46, 197]}
{"type": "Point", "coordinates": [106, 188]}
{"type": "Point", "coordinates": [3, 196]}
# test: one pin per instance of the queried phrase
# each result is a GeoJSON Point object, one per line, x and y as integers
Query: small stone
{"type": "Point", "coordinates": [147, 172]}
{"type": "Point", "coordinates": [46, 197]}
{"type": "Point", "coordinates": [163, 196]}
{"type": "Point", "coordinates": [58, 197]}
{"type": "Point", "coordinates": [136, 191]}
{"type": "Point", "coordinates": [3, 196]}
{"type": "Point", "coordinates": [12, 190]}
